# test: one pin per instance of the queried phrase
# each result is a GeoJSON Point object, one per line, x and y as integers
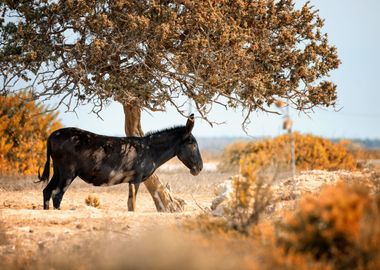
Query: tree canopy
{"type": "Point", "coordinates": [240, 53]}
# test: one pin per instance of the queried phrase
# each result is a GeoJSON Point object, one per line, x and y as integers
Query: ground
{"type": "Point", "coordinates": [27, 228]}
{"type": "Point", "coordinates": [85, 237]}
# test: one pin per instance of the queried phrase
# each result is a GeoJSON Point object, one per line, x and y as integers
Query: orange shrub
{"type": "Point", "coordinates": [232, 154]}
{"type": "Point", "coordinates": [251, 195]}
{"type": "Point", "coordinates": [340, 225]}
{"type": "Point", "coordinates": [311, 152]}
{"type": "Point", "coordinates": [23, 133]}
{"type": "Point", "coordinates": [318, 153]}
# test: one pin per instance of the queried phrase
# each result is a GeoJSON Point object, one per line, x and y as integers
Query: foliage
{"type": "Point", "coordinates": [250, 197]}
{"type": "Point", "coordinates": [232, 154]}
{"type": "Point", "coordinates": [311, 152]}
{"type": "Point", "coordinates": [147, 53]}
{"type": "Point", "coordinates": [336, 229]}
{"type": "Point", "coordinates": [23, 133]}
{"type": "Point", "coordinates": [341, 225]}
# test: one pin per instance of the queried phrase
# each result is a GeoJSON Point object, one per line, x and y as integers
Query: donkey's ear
{"type": "Point", "coordinates": [190, 123]}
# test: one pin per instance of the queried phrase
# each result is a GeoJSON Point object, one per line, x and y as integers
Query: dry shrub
{"type": "Point", "coordinates": [92, 200]}
{"type": "Point", "coordinates": [247, 199]}
{"type": "Point", "coordinates": [340, 226]}
{"type": "Point", "coordinates": [23, 133]}
{"type": "Point", "coordinates": [375, 180]}
{"type": "Point", "coordinates": [311, 152]}
{"type": "Point", "coordinates": [272, 257]}
{"type": "Point", "coordinates": [230, 160]}
{"type": "Point", "coordinates": [251, 197]}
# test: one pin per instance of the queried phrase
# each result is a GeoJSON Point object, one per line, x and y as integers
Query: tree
{"type": "Point", "coordinates": [145, 54]}
{"type": "Point", "coordinates": [23, 133]}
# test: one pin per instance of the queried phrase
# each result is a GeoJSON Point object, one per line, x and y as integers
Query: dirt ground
{"type": "Point", "coordinates": [109, 237]}
{"type": "Point", "coordinates": [27, 228]}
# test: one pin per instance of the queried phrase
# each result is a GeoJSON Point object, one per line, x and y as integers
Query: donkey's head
{"type": "Point", "coordinates": [188, 151]}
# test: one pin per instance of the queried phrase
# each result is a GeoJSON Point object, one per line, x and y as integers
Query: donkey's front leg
{"type": "Point", "coordinates": [133, 188]}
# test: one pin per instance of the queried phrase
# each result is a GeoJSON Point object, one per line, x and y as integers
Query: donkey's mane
{"type": "Point", "coordinates": [169, 130]}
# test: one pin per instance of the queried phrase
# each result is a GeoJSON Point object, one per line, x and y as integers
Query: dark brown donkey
{"type": "Point", "coordinates": [103, 160]}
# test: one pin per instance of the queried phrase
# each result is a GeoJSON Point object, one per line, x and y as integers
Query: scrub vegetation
{"type": "Point", "coordinates": [24, 128]}
{"type": "Point", "coordinates": [311, 153]}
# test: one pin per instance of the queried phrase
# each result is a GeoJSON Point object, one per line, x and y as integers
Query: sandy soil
{"type": "Point", "coordinates": [28, 228]}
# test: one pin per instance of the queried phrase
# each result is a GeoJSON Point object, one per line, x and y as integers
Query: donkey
{"type": "Point", "coordinates": [104, 160]}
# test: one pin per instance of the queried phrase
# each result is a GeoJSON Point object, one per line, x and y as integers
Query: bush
{"type": "Point", "coordinates": [250, 197]}
{"type": "Point", "coordinates": [23, 133]}
{"type": "Point", "coordinates": [232, 154]}
{"type": "Point", "coordinates": [311, 152]}
{"type": "Point", "coordinates": [340, 225]}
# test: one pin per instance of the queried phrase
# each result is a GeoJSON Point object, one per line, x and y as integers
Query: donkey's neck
{"type": "Point", "coordinates": [163, 146]}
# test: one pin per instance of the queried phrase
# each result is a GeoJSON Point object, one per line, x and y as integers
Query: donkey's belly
{"type": "Point", "coordinates": [96, 181]}
{"type": "Point", "coordinates": [114, 177]}
{"type": "Point", "coordinates": [118, 177]}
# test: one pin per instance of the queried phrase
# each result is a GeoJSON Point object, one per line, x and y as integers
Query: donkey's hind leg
{"type": "Point", "coordinates": [133, 188]}
{"type": "Point", "coordinates": [49, 189]}
{"type": "Point", "coordinates": [64, 182]}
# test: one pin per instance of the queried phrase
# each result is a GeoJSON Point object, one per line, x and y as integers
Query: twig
{"type": "Point", "coordinates": [199, 206]}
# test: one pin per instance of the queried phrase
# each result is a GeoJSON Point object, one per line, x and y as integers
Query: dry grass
{"type": "Point", "coordinates": [183, 182]}
{"type": "Point", "coordinates": [17, 183]}
{"type": "Point", "coordinates": [109, 237]}
{"type": "Point", "coordinates": [179, 181]}
{"type": "Point", "coordinates": [92, 200]}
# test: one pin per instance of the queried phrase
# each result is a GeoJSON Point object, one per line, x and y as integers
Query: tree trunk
{"type": "Point", "coordinates": [163, 199]}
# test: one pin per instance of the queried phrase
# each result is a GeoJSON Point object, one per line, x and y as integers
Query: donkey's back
{"type": "Point", "coordinates": [97, 159]}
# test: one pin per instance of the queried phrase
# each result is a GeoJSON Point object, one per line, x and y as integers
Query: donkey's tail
{"type": "Point", "coordinates": [46, 172]}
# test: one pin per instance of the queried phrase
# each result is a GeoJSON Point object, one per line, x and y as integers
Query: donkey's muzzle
{"type": "Point", "coordinates": [196, 170]}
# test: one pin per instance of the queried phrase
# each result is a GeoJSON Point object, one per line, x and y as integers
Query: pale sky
{"type": "Point", "coordinates": [353, 27]}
